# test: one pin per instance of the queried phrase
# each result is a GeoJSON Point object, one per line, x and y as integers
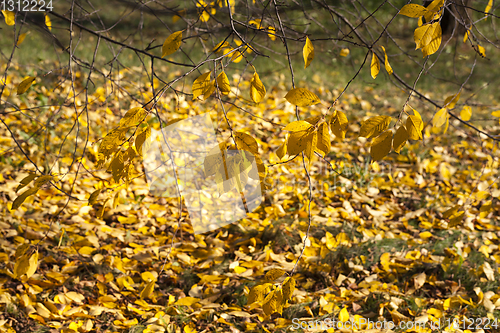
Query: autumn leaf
{"type": "Point", "coordinates": [9, 17]}
{"type": "Point", "coordinates": [375, 66]}
{"type": "Point", "coordinates": [413, 10]}
{"type": "Point", "coordinates": [374, 126]}
{"type": "Point", "coordinates": [223, 83]}
{"type": "Point", "coordinates": [466, 113]}
{"type": "Point", "coordinates": [147, 290]}
{"type": "Point", "coordinates": [299, 125]}
{"type": "Point", "coordinates": [48, 22]}
{"type": "Point", "coordinates": [25, 85]}
{"type": "Point", "coordinates": [201, 85]}
{"type": "Point", "coordinates": [440, 117]}
{"type": "Point", "coordinates": [308, 52]}
{"type": "Point", "coordinates": [301, 97]}
{"type": "Point", "coordinates": [414, 126]}
{"type": "Point", "coordinates": [171, 44]}
{"type": "Point", "coordinates": [400, 138]}
{"type": "Point", "coordinates": [257, 89]}
{"type": "Point", "coordinates": [388, 67]}
{"type": "Point", "coordinates": [428, 38]}
{"type": "Point", "coordinates": [381, 146]}
{"type": "Point", "coordinates": [338, 124]}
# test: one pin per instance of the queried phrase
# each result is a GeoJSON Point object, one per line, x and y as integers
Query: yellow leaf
{"type": "Point", "coordinates": [400, 138]}
{"type": "Point", "coordinates": [9, 17]}
{"type": "Point", "coordinates": [274, 273]}
{"type": "Point", "coordinates": [343, 315]}
{"type": "Point", "coordinates": [93, 197]}
{"type": "Point", "coordinates": [223, 83]}
{"type": "Point", "coordinates": [288, 288]}
{"type": "Point", "coordinates": [273, 302]}
{"type": "Point", "coordinates": [187, 301]}
{"type": "Point", "coordinates": [433, 10]}
{"type": "Point", "coordinates": [25, 181]}
{"type": "Point", "coordinates": [246, 142]}
{"type": "Point", "coordinates": [298, 141]}
{"type": "Point", "coordinates": [381, 145]}
{"type": "Point", "coordinates": [25, 84]}
{"type": "Point", "coordinates": [221, 46]}
{"type": "Point", "coordinates": [257, 89]}
{"type": "Point", "coordinates": [488, 7]}
{"type": "Point", "coordinates": [132, 117]}
{"type": "Point", "coordinates": [21, 250]}
{"type": "Point", "coordinates": [388, 67]}
{"type": "Point", "coordinates": [496, 113]}
{"type": "Point", "coordinates": [413, 10]}
{"type": "Point", "coordinates": [374, 126]}
{"type": "Point", "coordinates": [142, 143]}
{"type": "Point", "coordinates": [466, 113]}
{"type": "Point", "coordinates": [375, 66]}
{"type": "Point", "coordinates": [21, 266]}
{"type": "Point", "coordinates": [301, 97]}
{"type": "Point", "coordinates": [42, 180]}
{"type": "Point", "coordinates": [271, 33]}
{"type": "Point", "coordinates": [428, 38]}
{"type": "Point", "coordinates": [451, 101]}
{"type": "Point", "coordinates": [48, 22]}
{"type": "Point", "coordinates": [21, 38]}
{"type": "Point", "coordinates": [338, 124]}
{"type": "Point", "coordinates": [299, 125]}
{"type": "Point", "coordinates": [257, 293]}
{"type": "Point", "coordinates": [20, 199]}
{"type": "Point", "coordinates": [413, 126]}
{"type": "Point", "coordinates": [440, 118]}
{"type": "Point", "coordinates": [201, 85]}
{"type": "Point", "coordinates": [148, 290]}
{"type": "Point", "coordinates": [32, 265]}
{"type": "Point", "coordinates": [171, 44]}
{"type": "Point", "coordinates": [425, 235]}
{"type": "Point", "coordinates": [310, 146]}
{"type": "Point", "coordinates": [481, 51]}
{"type": "Point", "coordinates": [308, 52]}
{"type": "Point", "coordinates": [466, 36]}
{"type": "Point", "coordinates": [281, 151]}
{"type": "Point", "coordinates": [324, 143]}
{"type": "Point", "coordinates": [344, 52]}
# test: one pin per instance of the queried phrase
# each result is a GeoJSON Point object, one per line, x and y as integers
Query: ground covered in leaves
{"type": "Point", "coordinates": [413, 237]}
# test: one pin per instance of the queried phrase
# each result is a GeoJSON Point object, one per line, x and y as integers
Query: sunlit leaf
{"type": "Point", "coordinates": [400, 138]}
{"type": "Point", "coordinates": [9, 17]}
{"type": "Point", "coordinates": [338, 124]}
{"type": "Point", "coordinates": [414, 127]}
{"type": "Point", "coordinates": [374, 126]}
{"type": "Point", "coordinates": [171, 44]}
{"type": "Point", "coordinates": [440, 117]}
{"type": "Point", "coordinates": [381, 146]}
{"type": "Point", "coordinates": [257, 89]}
{"type": "Point", "coordinates": [388, 67]}
{"type": "Point", "coordinates": [223, 83]}
{"type": "Point", "coordinates": [25, 85]}
{"type": "Point", "coordinates": [413, 10]}
{"type": "Point", "coordinates": [466, 113]}
{"type": "Point", "coordinates": [308, 52]}
{"type": "Point", "coordinates": [299, 125]}
{"type": "Point", "coordinates": [301, 97]}
{"type": "Point", "coordinates": [48, 22]}
{"type": "Point", "coordinates": [375, 66]}
{"type": "Point", "coordinates": [201, 85]}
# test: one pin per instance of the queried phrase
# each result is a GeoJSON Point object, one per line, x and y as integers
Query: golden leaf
{"type": "Point", "coordinates": [414, 127]}
{"type": "Point", "coordinates": [171, 44]}
{"type": "Point", "coordinates": [308, 52]}
{"type": "Point", "coordinates": [257, 89]}
{"type": "Point", "coordinates": [201, 85]}
{"type": "Point", "coordinates": [288, 288]}
{"type": "Point", "coordinates": [25, 181]}
{"type": "Point", "coordinates": [93, 197]}
{"type": "Point", "coordinates": [246, 142]}
{"type": "Point", "coordinates": [223, 83]}
{"type": "Point", "coordinates": [338, 124]}
{"type": "Point", "coordinates": [148, 290]}
{"type": "Point", "coordinates": [400, 138]}
{"type": "Point", "coordinates": [381, 146]}
{"type": "Point", "coordinates": [374, 126]}
{"type": "Point", "coordinates": [375, 66]}
{"type": "Point", "coordinates": [132, 117]}
{"type": "Point", "coordinates": [388, 67]}
{"type": "Point", "coordinates": [25, 85]}
{"type": "Point", "coordinates": [20, 199]}
{"type": "Point", "coordinates": [413, 10]}
{"type": "Point", "coordinates": [466, 113]}
{"type": "Point", "coordinates": [440, 118]}
{"type": "Point", "coordinates": [324, 143]}
{"type": "Point", "coordinates": [299, 125]}
{"type": "Point", "coordinates": [9, 17]}
{"type": "Point", "coordinates": [48, 22]}
{"type": "Point", "coordinates": [301, 97]}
